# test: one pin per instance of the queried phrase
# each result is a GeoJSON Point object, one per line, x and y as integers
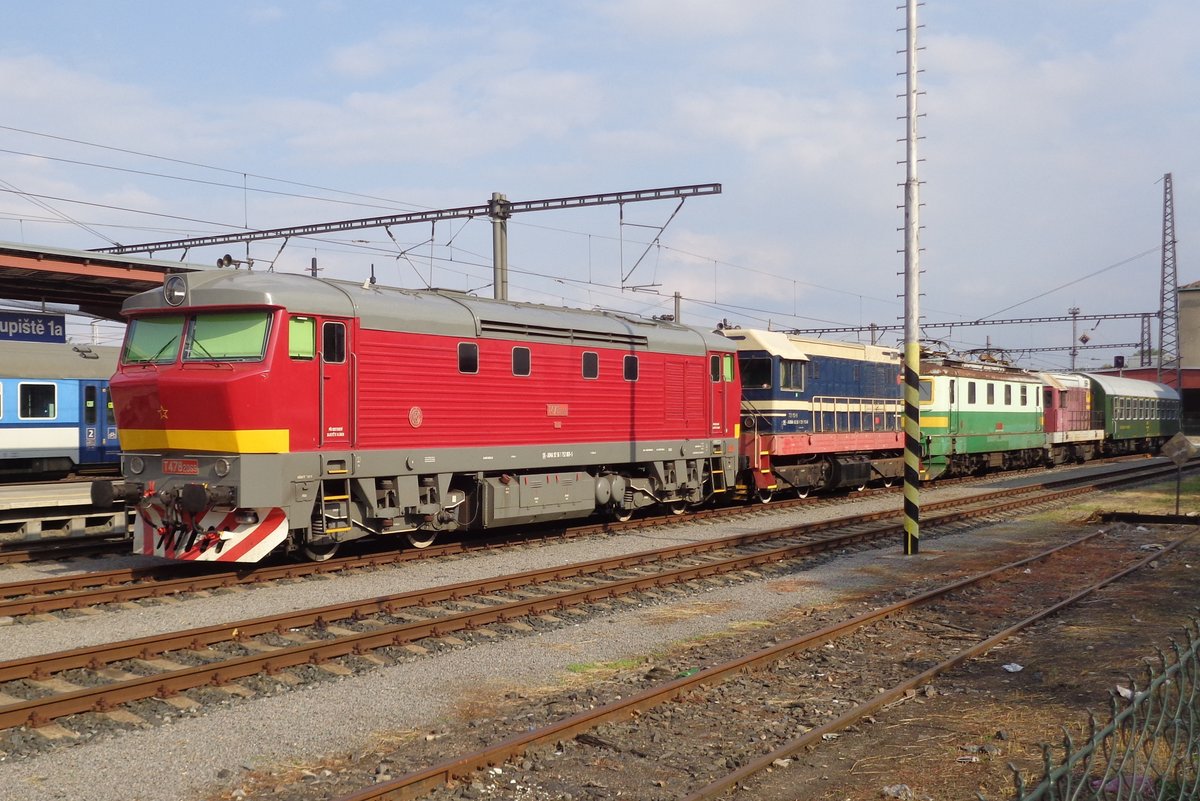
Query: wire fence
{"type": "Point", "coordinates": [1150, 749]}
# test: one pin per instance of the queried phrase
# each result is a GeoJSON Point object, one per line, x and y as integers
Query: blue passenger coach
{"type": "Point", "coordinates": [55, 415]}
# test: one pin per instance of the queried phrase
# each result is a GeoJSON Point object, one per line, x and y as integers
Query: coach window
{"type": "Point", "coordinates": [756, 373]}
{"type": "Point", "coordinates": [520, 361]}
{"type": "Point", "coordinates": [1008, 394]}
{"type": "Point", "coordinates": [1024, 395]}
{"type": "Point", "coordinates": [468, 357]}
{"type": "Point", "coordinates": [925, 391]}
{"type": "Point", "coordinates": [333, 343]}
{"type": "Point", "coordinates": [89, 406]}
{"type": "Point", "coordinates": [37, 401]}
{"type": "Point", "coordinates": [631, 368]}
{"type": "Point", "coordinates": [971, 393]}
{"type": "Point", "coordinates": [302, 338]}
{"type": "Point", "coordinates": [591, 364]}
{"type": "Point", "coordinates": [952, 384]}
{"type": "Point", "coordinates": [991, 393]}
{"type": "Point", "coordinates": [791, 374]}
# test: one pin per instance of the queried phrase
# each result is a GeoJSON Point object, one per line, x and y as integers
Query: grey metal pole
{"type": "Point", "coordinates": [499, 210]}
{"type": "Point", "coordinates": [912, 271]}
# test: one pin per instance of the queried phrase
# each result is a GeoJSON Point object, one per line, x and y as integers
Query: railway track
{"type": "Point", "coordinates": [663, 736]}
{"type": "Point", "coordinates": [339, 639]}
{"type": "Point", "coordinates": [80, 591]}
{"type": "Point", "coordinates": [50, 521]}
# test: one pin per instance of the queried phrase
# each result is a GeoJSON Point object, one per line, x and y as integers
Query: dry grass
{"type": "Point", "coordinates": [675, 613]}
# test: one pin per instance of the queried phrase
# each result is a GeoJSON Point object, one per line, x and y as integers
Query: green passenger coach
{"type": "Point", "coordinates": [977, 417]}
{"type": "Point", "coordinates": [1138, 416]}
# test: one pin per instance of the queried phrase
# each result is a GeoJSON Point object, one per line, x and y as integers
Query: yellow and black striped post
{"type": "Point", "coordinates": [912, 446]}
{"type": "Point", "coordinates": [912, 272]}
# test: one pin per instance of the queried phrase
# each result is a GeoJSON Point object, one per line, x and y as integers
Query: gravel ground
{"type": "Point", "coordinates": [209, 752]}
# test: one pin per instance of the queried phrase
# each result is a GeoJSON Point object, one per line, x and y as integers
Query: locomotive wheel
{"type": "Point", "coordinates": [803, 493]}
{"type": "Point", "coordinates": [320, 553]}
{"type": "Point", "coordinates": [421, 539]}
{"type": "Point", "coordinates": [765, 495]}
{"type": "Point", "coordinates": [677, 507]}
{"type": "Point", "coordinates": [620, 513]}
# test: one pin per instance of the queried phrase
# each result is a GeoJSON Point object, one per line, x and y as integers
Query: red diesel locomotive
{"type": "Point", "coordinates": [264, 411]}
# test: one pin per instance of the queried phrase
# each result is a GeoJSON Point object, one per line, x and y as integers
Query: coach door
{"type": "Point", "coordinates": [98, 430]}
{"type": "Point", "coordinates": [336, 417]}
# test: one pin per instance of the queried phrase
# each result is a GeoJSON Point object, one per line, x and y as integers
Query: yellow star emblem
{"type": "Point", "coordinates": [162, 412]}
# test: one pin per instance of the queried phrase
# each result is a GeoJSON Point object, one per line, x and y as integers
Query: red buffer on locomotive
{"type": "Point", "coordinates": [264, 411]}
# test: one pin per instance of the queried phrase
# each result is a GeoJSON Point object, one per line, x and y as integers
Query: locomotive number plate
{"type": "Point", "coordinates": [181, 467]}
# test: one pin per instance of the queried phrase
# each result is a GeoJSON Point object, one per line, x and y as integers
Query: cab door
{"type": "Point", "coordinates": [98, 428]}
{"type": "Point", "coordinates": [335, 391]}
{"type": "Point", "coordinates": [720, 375]}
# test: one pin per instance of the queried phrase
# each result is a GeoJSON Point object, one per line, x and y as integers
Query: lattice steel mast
{"type": "Point", "coordinates": [1168, 309]}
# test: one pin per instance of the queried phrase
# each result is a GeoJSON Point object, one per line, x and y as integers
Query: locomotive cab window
{"type": "Point", "coordinates": [37, 401]}
{"type": "Point", "coordinates": [1008, 394]}
{"type": "Point", "coordinates": [468, 357]}
{"type": "Point", "coordinates": [631, 368]}
{"type": "Point", "coordinates": [333, 343]}
{"type": "Point", "coordinates": [714, 368]}
{"type": "Point", "coordinates": [971, 393]}
{"type": "Point", "coordinates": [791, 374]}
{"type": "Point", "coordinates": [925, 391]}
{"type": "Point", "coordinates": [591, 365]}
{"type": "Point", "coordinates": [991, 393]}
{"type": "Point", "coordinates": [520, 361]}
{"type": "Point", "coordinates": [1024, 395]}
{"type": "Point", "coordinates": [302, 338]}
{"type": "Point", "coordinates": [727, 361]}
{"type": "Point", "coordinates": [227, 337]}
{"type": "Point", "coordinates": [756, 372]}
{"type": "Point", "coordinates": [153, 340]}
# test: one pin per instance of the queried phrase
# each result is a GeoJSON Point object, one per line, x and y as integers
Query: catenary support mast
{"type": "Point", "coordinates": [1169, 364]}
{"type": "Point", "coordinates": [912, 345]}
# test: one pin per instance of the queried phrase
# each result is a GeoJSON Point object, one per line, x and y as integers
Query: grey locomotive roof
{"type": "Point", "coordinates": [430, 311]}
{"type": "Point", "coordinates": [1132, 387]}
{"type": "Point", "coordinates": [979, 372]}
{"type": "Point", "coordinates": [56, 360]}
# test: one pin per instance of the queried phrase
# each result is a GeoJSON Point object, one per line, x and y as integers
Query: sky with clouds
{"type": "Point", "coordinates": [1048, 126]}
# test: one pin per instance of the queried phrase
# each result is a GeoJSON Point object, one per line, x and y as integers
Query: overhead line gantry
{"type": "Point", "coordinates": [498, 209]}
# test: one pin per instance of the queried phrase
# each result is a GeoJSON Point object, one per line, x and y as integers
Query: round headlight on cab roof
{"type": "Point", "coordinates": [175, 290]}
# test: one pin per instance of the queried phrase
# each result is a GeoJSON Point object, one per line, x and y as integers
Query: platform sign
{"type": "Point", "coordinates": [32, 327]}
{"type": "Point", "coordinates": [1179, 449]}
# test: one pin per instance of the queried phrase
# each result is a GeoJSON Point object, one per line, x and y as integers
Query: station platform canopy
{"type": "Point", "coordinates": [95, 282]}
